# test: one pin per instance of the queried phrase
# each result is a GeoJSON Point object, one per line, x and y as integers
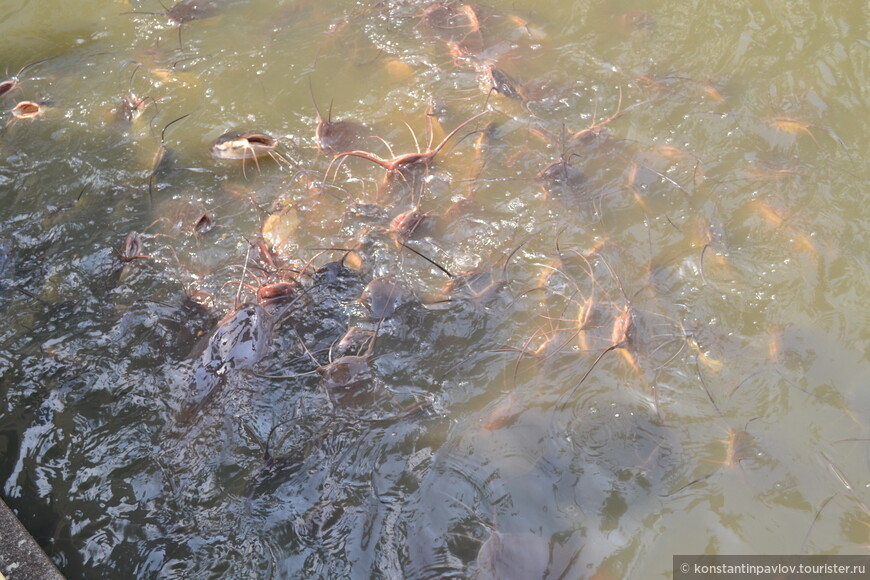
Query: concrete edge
{"type": "Point", "coordinates": [21, 558]}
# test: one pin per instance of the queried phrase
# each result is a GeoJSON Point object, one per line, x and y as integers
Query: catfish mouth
{"type": "Point", "coordinates": [26, 110]}
{"type": "Point", "coordinates": [260, 139]}
{"type": "Point", "coordinates": [242, 146]}
{"type": "Point", "coordinates": [7, 86]}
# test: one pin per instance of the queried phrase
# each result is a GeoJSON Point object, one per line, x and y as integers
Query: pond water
{"type": "Point", "coordinates": [619, 314]}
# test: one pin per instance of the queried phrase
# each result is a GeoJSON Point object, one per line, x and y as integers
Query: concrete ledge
{"type": "Point", "coordinates": [21, 558]}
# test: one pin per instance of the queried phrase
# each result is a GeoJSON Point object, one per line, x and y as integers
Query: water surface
{"type": "Point", "coordinates": [632, 323]}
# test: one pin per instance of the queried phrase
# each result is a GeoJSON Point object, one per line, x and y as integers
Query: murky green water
{"type": "Point", "coordinates": [651, 340]}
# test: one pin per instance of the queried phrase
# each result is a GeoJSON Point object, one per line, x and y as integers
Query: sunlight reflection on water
{"type": "Point", "coordinates": [626, 319]}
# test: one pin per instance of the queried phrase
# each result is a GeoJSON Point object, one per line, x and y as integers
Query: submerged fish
{"type": "Point", "coordinates": [240, 340]}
